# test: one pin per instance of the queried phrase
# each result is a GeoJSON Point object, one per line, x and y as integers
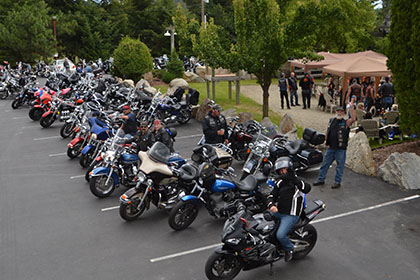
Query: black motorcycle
{"type": "Point", "coordinates": [250, 242]}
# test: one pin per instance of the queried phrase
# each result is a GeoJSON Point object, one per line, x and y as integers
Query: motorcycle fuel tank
{"type": "Point", "coordinates": [129, 158]}
{"type": "Point", "coordinates": [222, 185]}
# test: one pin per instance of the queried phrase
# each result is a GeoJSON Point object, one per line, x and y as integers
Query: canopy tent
{"type": "Point", "coordinates": [372, 66]}
{"type": "Point", "coordinates": [333, 58]}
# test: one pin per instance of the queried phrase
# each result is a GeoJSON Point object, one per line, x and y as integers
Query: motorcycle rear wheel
{"type": "Point", "coordinates": [129, 212]}
{"type": "Point", "coordinates": [46, 121]}
{"type": "Point", "coordinates": [99, 189]}
{"type": "Point", "coordinates": [35, 113]}
{"type": "Point", "coordinates": [220, 266]}
{"type": "Point", "coordinates": [310, 237]}
{"type": "Point", "coordinates": [183, 214]}
{"type": "Point", "coordinates": [185, 116]}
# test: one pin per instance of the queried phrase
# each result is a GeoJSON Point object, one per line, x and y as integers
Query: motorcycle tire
{"type": "Point", "coordinates": [4, 94]}
{"type": "Point", "coordinates": [66, 130]}
{"type": "Point", "coordinates": [310, 237]}
{"type": "Point", "coordinates": [99, 189]}
{"type": "Point", "coordinates": [129, 212]}
{"type": "Point", "coordinates": [35, 113]}
{"type": "Point", "coordinates": [86, 159]}
{"type": "Point", "coordinates": [185, 116]}
{"type": "Point", "coordinates": [220, 266]}
{"type": "Point", "coordinates": [16, 104]}
{"type": "Point", "coordinates": [46, 121]}
{"type": "Point", "coordinates": [74, 151]}
{"type": "Point", "coordinates": [183, 214]}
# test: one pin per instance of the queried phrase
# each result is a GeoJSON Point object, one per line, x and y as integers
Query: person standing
{"type": "Point", "coordinates": [293, 90]}
{"type": "Point", "coordinates": [387, 92]}
{"type": "Point", "coordinates": [215, 126]}
{"type": "Point", "coordinates": [306, 84]}
{"type": "Point", "coordinates": [337, 137]}
{"type": "Point", "coordinates": [284, 85]}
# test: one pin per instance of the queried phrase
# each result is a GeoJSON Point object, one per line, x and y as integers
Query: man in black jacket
{"type": "Point", "coordinates": [306, 84]}
{"type": "Point", "coordinates": [215, 126]}
{"type": "Point", "coordinates": [160, 134]}
{"type": "Point", "coordinates": [286, 201]}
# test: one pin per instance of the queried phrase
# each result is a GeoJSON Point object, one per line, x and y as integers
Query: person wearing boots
{"type": "Point", "coordinates": [215, 126]}
{"type": "Point", "coordinates": [284, 85]}
{"type": "Point", "coordinates": [286, 201]}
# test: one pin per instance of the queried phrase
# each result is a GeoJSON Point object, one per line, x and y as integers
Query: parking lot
{"type": "Point", "coordinates": [52, 227]}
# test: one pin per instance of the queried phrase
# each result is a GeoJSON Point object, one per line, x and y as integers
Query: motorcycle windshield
{"type": "Point", "coordinates": [159, 152]}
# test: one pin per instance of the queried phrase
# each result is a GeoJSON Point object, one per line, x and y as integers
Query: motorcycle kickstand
{"type": "Point", "coordinates": [271, 269]}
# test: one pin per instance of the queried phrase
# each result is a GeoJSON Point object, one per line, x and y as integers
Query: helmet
{"type": "Point", "coordinates": [281, 163]}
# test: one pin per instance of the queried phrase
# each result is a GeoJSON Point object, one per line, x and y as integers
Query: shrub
{"type": "Point", "coordinates": [175, 66]}
{"type": "Point", "coordinates": [132, 59]}
{"type": "Point", "coordinates": [167, 77]}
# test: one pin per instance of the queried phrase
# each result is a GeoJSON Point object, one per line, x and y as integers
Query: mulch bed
{"type": "Point", "coordinates": [381, 154]}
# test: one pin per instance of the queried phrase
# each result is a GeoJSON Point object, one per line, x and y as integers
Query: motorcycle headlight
{"type": "Point", "coordinates": [141, 177]}
{"type": "Point", "coordinates": [233, 241]}
{"type": "Point", "coordinates": [109, 155]}
{"type": "Point", "coordinates": [267, 154]}
{"type": "Point", "coordinates": [94, 136]}
{"type": "Point", "coordinates": [259, 150]}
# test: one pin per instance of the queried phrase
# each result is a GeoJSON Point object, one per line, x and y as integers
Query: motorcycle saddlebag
{"type": "Point", "coordinates": [313, 156]}
{"type": "Point", "coordinates": [314, 137]}
{"type": "Point", "coordinates": [179, 92]}
{"type": "Point", "coordinates": [194, 96]}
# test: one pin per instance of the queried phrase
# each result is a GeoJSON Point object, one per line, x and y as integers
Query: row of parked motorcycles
{"type": "Point", "coordinates": [90, 116]}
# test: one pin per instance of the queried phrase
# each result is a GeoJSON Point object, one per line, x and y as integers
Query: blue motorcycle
{"type": "Point", "coordinates": [99, 132]}
{"type": "Point", "coordinates": [220, 196]}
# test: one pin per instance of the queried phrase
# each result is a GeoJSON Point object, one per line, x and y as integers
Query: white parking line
{"type": "Point", "coordinates": [59, 154]}
{"type": "Point", "coordinates": [314, 222]}
{"type": "Point", "coordinates": [110, 208]}
{"type": "Point", "coordinates": [46, 138]}
{"type": "Point", "coordinates": [77, 176]}
{"type": "Point", "coordinates": [18, 118]}
{"type": "Point", "coordinates": [189, 136]}
{"type": "Point", "coordinates": [33, 126]}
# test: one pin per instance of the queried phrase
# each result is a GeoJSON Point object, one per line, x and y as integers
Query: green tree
{"type": "Point", "coordinates": [404, 61]}
{"type": "Point", "coordinates": [26, 32]}
{"type": "Point", "coordinates": [175, 65]}
{"type": "Point", "coordinates": [132, 59]}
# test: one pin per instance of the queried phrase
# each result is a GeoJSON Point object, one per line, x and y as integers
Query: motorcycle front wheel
{"type": "Point", "coordinates": [86, 159]}
{"type": "Point", "coordinates": [35, 113]}
{"type": "Point", "coordinates": [129, 212]}
{"type": "Point", "coordinates": [308, 241]}
{"type": "Point", "coordinates": [221, 266]}
{"type": "Point", "coordinates": [66, 130]}
{"type": "Point", "coordinates": [185, 116]}
{"type": "Point", "coordinates": [47, 121]}
{"type": "Point", "coordinates": [16, 103]}
{"type": "Point", "coordinates": [4, 94]}
{"type": "Point", "coordinates": [183, 214]}
{"type": "Point", "coordinates": [99, 188]}
{"type": "Point", "coordinates": [73, 152]}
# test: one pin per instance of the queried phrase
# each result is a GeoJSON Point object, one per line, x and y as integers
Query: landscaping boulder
{"type": "Point", "coordinates": [201, 71]}
{"type": "Point", "coordinates": [245, 116]}
{"type": "Point", "coordinates": [402, 170]}
{"type": "Point", "coordinates": [230, 113]}
{"type": "Point", "coordinates": [128, 83]}
{"type": "Point", "coordinates": [148, 76]}
{"type": "Point", "coordinates": [286, 124]}
{"type": "Point", "coordinates": [191, 77]}
{"type": "Point", "coordinates": [359, 155]}
{"type": "Point", "coordinates": [143, 83]}
{"type": "Point", "coordinates": [194, 110]}
{"type": "Point", "coordinates": [175, 83]}
{"type": "Point", "coordinates": [203, 110]}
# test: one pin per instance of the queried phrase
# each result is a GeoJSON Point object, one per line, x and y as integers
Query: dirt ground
{"type": "Point", "coordinates": [381, 154]}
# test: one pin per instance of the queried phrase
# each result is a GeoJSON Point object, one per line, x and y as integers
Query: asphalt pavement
{"type": "Point", "coordinates": [52, 227]}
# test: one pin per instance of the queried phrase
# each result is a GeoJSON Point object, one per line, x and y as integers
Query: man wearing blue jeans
{"type": "Point", "coordinates": [337, 137]}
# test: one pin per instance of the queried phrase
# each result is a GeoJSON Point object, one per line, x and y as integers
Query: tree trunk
{"type": "Point", "coordinates": [266, 96]}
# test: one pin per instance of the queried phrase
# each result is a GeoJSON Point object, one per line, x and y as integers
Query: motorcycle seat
{"type": "Point", "coordinates": [294, 147]}
{"type": "Point", "coordinates": [261, 178]}
{"type": "Point", "coordinates": [183, 103]}
{"type": "Point", "coordinates": [248, 184]}
{"type": "Point", "coordinates": [187, 172]}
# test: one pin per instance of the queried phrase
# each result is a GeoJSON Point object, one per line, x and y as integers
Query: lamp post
{"type": "Point", "coordinates": [54, 21]}
{"type": "Point", "coordinates": [171, 32]}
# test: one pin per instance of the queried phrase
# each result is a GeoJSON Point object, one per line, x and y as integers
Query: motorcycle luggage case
{"type": "Point", "coordinates": [179, 92]}
{"type": "Point", "coordinates": [223, 160]}
{"type": "Point", "coordinates": [194, 96]}
{"type": "Point", "coordinates": [314, 137]}
{"type": "Point", "coordinates": [313, 156]}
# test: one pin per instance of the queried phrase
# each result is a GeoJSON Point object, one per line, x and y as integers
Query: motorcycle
{"type": "Point", "coordinates": [26, 96]}
{"type": "Point", "coordinates": [41, 104]}
{"type": "Point", "coordinates": [218, 196]}
{"type": "Point", "coordinates": [157, 182]}
{"type": "Point", "coordinates": [59, 108]}
{"type": "Point", "coordinates": [250, 242]}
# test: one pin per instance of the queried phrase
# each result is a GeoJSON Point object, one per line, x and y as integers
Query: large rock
{"type": "Point", "coordinates": [143, 83]}
{"type": "Point", "coordinates": [191, 77]}
{"type": "Point", "coordinates": [175, 83]}
{"type": "Point", "coordinates": [402, 170]}
{"type": "Point", "coordinates": [128, 83]}
{"type": "Point", "coordinates": [230, 113]}
{"type": "Point", "coordinates": [194, 111]}
{"type": "Point", "coordinates": [148, 76]}
{"type": "Point", "coordinates": [286, 124]}
{"type": "Point", "coordinates": [203, 110]}
{"type": "Point", "coordinates": [245, 116]}
{"type": "Point", "coordinates": [359, 155]}
{"type": "Point", "coordinates": [201, 71]}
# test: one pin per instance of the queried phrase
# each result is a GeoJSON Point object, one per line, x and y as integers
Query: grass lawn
{"type": "Point", "coordinates": [374, 143]}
